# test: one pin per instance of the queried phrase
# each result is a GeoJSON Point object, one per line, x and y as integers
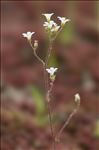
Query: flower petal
{"type": "Point", "coordinates": [48, 16]}
{"type": "Point", "coordinates": [28, 35]}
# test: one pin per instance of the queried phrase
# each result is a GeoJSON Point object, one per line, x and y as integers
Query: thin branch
{"type": "Point", "coordinates": [58, 33]}
{"type": "Point", "coordinates": [35, 54]}
{"type": "Point", "coordinates": [48, 52]}
{"type": "Point", "coordinates": [39, 58]}
{"type": "Point", "coordinates": [57, 137]}
{"type": "Point", "coordinates": [48, 94]}
{"type": "Point", "coordinates": [49, 90]}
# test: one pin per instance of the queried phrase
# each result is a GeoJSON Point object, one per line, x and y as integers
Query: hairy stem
{"type": "Point", "coordinates": [48, 95]}
{"type": "Point", "coordinates": [51, 126]}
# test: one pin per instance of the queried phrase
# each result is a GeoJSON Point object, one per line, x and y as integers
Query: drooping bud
{"type": "Point", "coordinates": [35, 44]}
{"type": "Point", "coordinates": [77, 98]}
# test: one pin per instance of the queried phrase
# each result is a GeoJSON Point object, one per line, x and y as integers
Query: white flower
{"type": "Point", "coordinates": [77, 97]}
{"type": "Point", "coordinates": [55, 28]}
{"type": "Point", "coordinates": [51, 70]}
{"type": "Point", "coordinates": [49, 25]}
{"type": "Point", "coordinates": [48, 16]}
{"type": "Point", "coordinates": [28, 35]}
{"type": "Point", "coordinates": [63, 20]}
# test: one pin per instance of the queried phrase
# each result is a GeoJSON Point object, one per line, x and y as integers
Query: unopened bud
{"type": "Point", "coordinates": [77, 98]}
{"type": "Point", "coordinates": [35, 44]}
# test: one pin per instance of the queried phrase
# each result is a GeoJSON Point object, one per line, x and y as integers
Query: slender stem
{"type": "Point", "coordinates": [48, 95]}
{"type": "Point", "coordinates": [57, 137]}
{"type": "Point", "coordinates": [58, 33]}
{"type": "Point", "coordinates": [48, 92]}
{"type": "Point", "coordinates": [35, 54]}
{"type": "Point", "coordinates": [45, 76]}
{"type": "Point", "coordinates": [48, 52]}
{"type": "Point", "coordinates": [46, 62]}
{"type": "Point", "coordinates": [51, 126]}
{"type": "Point", "coordinates": [39, 58]}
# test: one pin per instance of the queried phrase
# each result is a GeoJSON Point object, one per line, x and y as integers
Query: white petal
{"type": "Point", "coordinates": [28, 35]}
{"type": "Point", "coordinates": [48, 16]}
{"type": "Point", "coordinates": [24, 34]}
{"type": "Point", "coordinates": [67, 20]}
{"type": "Point", "coordinates": [63, 19]}
{"type": "Point", "coordinates": [51, 70]}
{"type": "Point", "coordinates": [55, 69]}
{"type": "Point", "coordinates": [48, 70]}
{"type": "Point", "coordinates": [77, 97]}
{"type": "Point", "coordinates": [45, 24]}
{"type": "Point", "coordinates": [29, 32]}
{"type": "Point", "coordinates": [55, 29]}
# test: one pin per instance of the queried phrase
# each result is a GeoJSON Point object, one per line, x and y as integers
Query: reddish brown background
{"type": "Point", "coordinates": [76, 54]}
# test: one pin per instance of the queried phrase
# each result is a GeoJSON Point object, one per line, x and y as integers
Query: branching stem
{"type": "Point", "coordinates": [48, 90]}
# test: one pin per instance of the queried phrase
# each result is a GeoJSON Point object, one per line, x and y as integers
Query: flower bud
{"type": "Point", "coordinates": [77, 98]}
{"type": "Point", "coordinates": [35, 44]}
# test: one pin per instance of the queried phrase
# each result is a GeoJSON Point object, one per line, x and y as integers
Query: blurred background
{"type": "Point", "coordinates": [24, 122]}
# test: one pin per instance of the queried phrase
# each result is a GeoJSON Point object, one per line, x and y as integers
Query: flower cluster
{"type": "Point", "coordinates": [51, 26]}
